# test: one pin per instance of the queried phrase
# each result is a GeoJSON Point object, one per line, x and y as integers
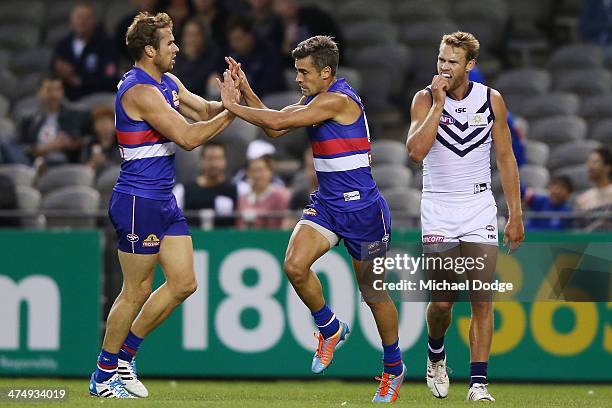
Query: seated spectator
{"type": "Point", "coordinates": [148, 6]}
{"type": "Point", "coordinates": [267, 24]}
{"type": "Point", "coordinates": [213, 15]}
{"type": "Point", "coordinates": [197, 60]}
{"type": "Point", "coordinates": [264, 205]}
{"type": "Point", "coordinates": [51, 135]}
{"type": "Point", "coordinates": [302, 22]}
{"type": "Point", "coordinates": [300, 197]}
{"type": "Point", "coordinates": [559, 191]}
{"type": "Point", "coordinates": [260, 61]}
{"type": "Point", "coordinates": [8, 201]}
{"type": "Point", "coordinates": [179, 11]}
{"type": "Point", "coordinates": [86, 59]}
{"type": "Point", "coordinates": [599, 197]}
{"type": "Point", "coordinates": [256, 149]}
{"type": "Point", "coordinates": [102, 149]}
{"type": "Point", "coordinates": [211, 189]}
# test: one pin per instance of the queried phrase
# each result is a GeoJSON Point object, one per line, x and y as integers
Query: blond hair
{"type": "Point", "coordinates": [144, 31]}
{"type": "Point", "coordinates": [465, 41]}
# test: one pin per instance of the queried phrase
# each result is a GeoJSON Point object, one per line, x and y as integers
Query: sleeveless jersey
{"type": "Point", "coordinates": [459, 162]}
{"type": "Point", "coordinates": [147, 169]}
{"type": "Point", "coordinates": [342, 158]}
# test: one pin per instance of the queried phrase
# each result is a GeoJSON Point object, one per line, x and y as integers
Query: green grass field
{"type": "Point", "coordinates": [323, 393]}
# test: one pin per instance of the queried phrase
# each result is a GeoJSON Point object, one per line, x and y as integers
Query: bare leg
{"type": "Point", "coordinates": [306, 245]}
{"type": "Point", "coordinates": [440, 308]}
{"type": "Point", "coordinates": [176, 259]}
{"type": "Point", "coordinates": [137, 279]}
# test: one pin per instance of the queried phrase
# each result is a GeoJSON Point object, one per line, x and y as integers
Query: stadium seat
{"type": "Point", "coordinates": [5, 58]}
{"type": "Point", "coordinates": [89, 102]}
{"type": "Point", "coordinates": [25, 106]}
{"type": "Point", "coordinates": [362, 10]}
{"type": "Point", "coordinates": [584, 81]}
{"type": "Point", "coordinates": [115, 12]}
{"type": "Point", "coordinates": [364, 33]}
{"type": "Point", "coordinates": [81, 200]}
{"type": "Point", "coordinates": [238, 130]}
{"type": "Point", "coordinates": [394, 58]}
{"type": "Point", "coordinates": [550, 104]}
{"type": "Point", "coordinates": [534, 176]}
{"type": "Point", "coordinates": [529, 81]}
{"type": "Point", "coordinates": [596, 107]}
{"type": "Point", "coordinates": [36, 59]}
{"type": "Point", "coordinates": [578, 174]}
{"type": "Point", "coordinates": [577, 56]}
{"type": "Point", "coordinates": [352, 76]}
{"type": "Point", "coordinates": [496, 185]}
{"type": "Point", "coordinates": [405, 206]}
{"type": "Point", "coordinates": [28, 201]}
{"type": "Point", "coordinates": [423, 65]}
{"type": "Point", "coordinates": [537, 152]}
{"type": "Point", "coordinates": [187, 165]}
{"type": "Point", "coordinates": [29, 84]}
{"type": "Point", "coordinates": [20, 174]}
{"type": "Point", "coordinates": [390, 176]}
{"type": "Point", "coordinates": [486, 30]}
{"type": "Point", "coordinates": [7, 128]}
{"type": "Point", "coordinates": [66, 175]}
{"type": "Point", "coordinates": [18, 36]}
{"type": "Point", "coordinates": [602, 131]}
{"type": "Point", "coordinates": [410, 11]}
{"type": "Point", "coordinates": [377, 89]}
{"type": "Point", "coordinates": [55, 33]}
{"type": "Point", "coordinates": [4, 105]}
{"type": "Point", "coordinates": [491, 10]}
{"type": "Point", "coordinates": [19, 11]}
{"type": "Point", "coordinates": [279, 100]}
{"type": "Point", "coordinates": [558, 129]}
{"type": "Point", "coordinates": [107, 179]}
{"type": "Point", "coordinates": [417, 179]}
{"type": "Point", "coordinates": [427, 33]}
{"type": "Point", "coordinates": [389, 152]}
{"type": "Point", "coordinates": [10, 87]}
{"type": "Point", "coordinates": [571, 153]}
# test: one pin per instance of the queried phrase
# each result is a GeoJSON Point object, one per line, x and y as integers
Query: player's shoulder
{"type": "Point", "coordinates": [174, 79]}
{"type": "Point", "coordinates": [332, 99]}
{"type": "Point", "coordinates": [142, 94]}
{"type": "Point", "coordinates": [422, 97]}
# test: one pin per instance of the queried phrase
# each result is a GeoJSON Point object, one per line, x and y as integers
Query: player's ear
{"type": "Point", "coordinates": [326, 72]}
{"type": "Point", "coordinates": [149, 50]}
{"type": "Point", "coordinates": [470, 65]}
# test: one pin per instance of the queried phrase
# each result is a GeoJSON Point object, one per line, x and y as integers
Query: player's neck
{"type": "Point", "coordinates": [460, 92]}
{"type": "Point", "coordinates": [328, 84]}
{"type": "Point", "coordinates": [150, 69]}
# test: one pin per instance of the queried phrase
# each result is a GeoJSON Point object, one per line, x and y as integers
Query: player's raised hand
{"type": "Point", "coordinates": [229, 93]}
{"type": "Point", "coordinates": [439, 86]}
{"type": "Point", "coordinates": [514, 233]}
{"type": "Point", "coordinates": [238, 74]}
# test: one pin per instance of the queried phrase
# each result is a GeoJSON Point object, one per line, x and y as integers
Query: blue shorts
{"type": "Point", "coordinates": [142, 223]}
{"type": "Point", "coordinates": [366, 232]}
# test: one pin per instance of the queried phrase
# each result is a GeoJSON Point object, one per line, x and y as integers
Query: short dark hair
{"type": "Point", "coordinates": [144, 31]}
{"type": "Point", "coordinates": [563, 181]}
{"type": "Point", "coordinates": [239, 22]}
{"type": "Point", "coordinates": [49, 76]}
{"type": "Point", "coordinates": [213, 143]}
{"type": "Point", "coordinates": [465, 41]}
{"type": "Point", "coordinates": [606, 156]}
{"type": "Point", "coordinates": [323, 50]}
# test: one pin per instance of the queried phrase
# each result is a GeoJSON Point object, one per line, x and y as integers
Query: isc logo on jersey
{"type": "Point", "coordinates": [151, 241]}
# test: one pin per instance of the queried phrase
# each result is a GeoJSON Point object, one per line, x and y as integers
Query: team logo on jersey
{"type": "Point", "coordinates": [490, 227]}
{"type": "Point", "coordinates": [446, 120]}
{"type": "Point", "coordinates": [477, 119]}
{"type": "Point", "coordinates": [151, 241]}
{"type": "Point", "coordinates": [132, 237]}
{"type": "Point", "coordinates": [175, 99]}
{"type": "Point", "coordinates": [433, 239]}
{"type": "Point", "coordinates": [310, 211]}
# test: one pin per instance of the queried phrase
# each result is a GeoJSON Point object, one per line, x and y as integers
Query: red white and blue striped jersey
{"type": "Point", "coordinates": [147, 169]}
{"type": "Point", "coordinates": [342, 158]}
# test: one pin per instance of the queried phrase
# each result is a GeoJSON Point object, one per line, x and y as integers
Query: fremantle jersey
{"type": "Point", "coordinates": [459, 164]}
{"type": "Point", "coordinates": [342, 158]}
{"type": "Point", "coordinates": [147, 169]}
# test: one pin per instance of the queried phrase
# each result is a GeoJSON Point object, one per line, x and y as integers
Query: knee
{"type": "Point", "coordinates": [184, 289]}
{"type": "Point", "coordinates": [296, 271]}
{"type": "Point", "coordinates": [482, 309]}
{"type": "Point", "coordinates": [441, 307]}
{"type": "Point", "coordinates": [138, 295]}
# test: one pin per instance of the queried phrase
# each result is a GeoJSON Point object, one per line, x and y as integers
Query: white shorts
{"type": "Point", "coordinates": [445, 224]}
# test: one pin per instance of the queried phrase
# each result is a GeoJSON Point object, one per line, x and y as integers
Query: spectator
{"type": "Point", "coordinates": [264, 205]}
{"type": "Point", "coordinates": [51, 135]}
{"type": "Point", "coordinates": [85, 59]}
{"type": "Point", "coordinates": [599, 197]}
{"type": "Point", "coordinates": [8, 201]}
{"type": "Point", "coordinates": [179, 11]}
{"type": "Point", "coordinates": [260, 62]}
{"type": "Point", "coordinates": [102, 150]}
{"type": "Point", "coordinates": [267, 24]}
{"type": "Point", "coordinates": [149, 6]}
{"type": "Point", "coordinates": [211, 189]}
{"type": "Point", "coordinates": [215, 16]}
{"type": "Point", "coordinates": [595, 23]}
{"type": "Point", "coordinates": [300, 198]}
{"type": "Point", "coordinates": [256, 149]}
{"type": "Point", "coordinates": [302, 22]}
{"type": "Point", "coordinates": [559, 191]}
{"type": "Point", "coordinates": [196, 62]}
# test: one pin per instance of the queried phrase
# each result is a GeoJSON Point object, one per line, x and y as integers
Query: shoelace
{"type": "Point", "coordinates": [118, 387]}
{"type": "Point", "coordinates": [481, 390]}
{"type": "Point", "coordinates": [322, 353]}
{"type": "Point", "coordinates": [385, 384]}
{"type": "Point", "coordinates": [439, 372]}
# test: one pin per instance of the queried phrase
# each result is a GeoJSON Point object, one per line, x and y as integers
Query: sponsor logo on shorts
{"type": "Point", "coordinates": [490, 227]}
{"type": "Point", "coordinates": [433, 239]}
{"type": "Point", "coordinates": [480, 187]}
{"type": "Point", "coordinates": [132, 237]}
{"type": "Point", "coordinates": [385, 238]}
{"type": "Point", "coordinates": [352, 196]}
{"type": "Point", "coordinates": [446, 120]}
{"type": "Point", "coordinates": [151, 241]}
{"type": "Point", "coordinates": [310, 211]}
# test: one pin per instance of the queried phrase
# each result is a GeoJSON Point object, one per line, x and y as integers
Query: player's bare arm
{"type": "Point", "coordinates": [194, 106]}
{"type": "Point", "coordinates": [508, 171]}
{"type": "Point", "coordinates": [252, 100]}
{"type": "Point", "coordinates": [425, 114]}
{"type": "Point", "coordinates": [144, 102]}
{"type": "Point", "coordinates": [325, 106]}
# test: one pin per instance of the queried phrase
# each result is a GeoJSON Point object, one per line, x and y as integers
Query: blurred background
{"type": "Point", "coordinates": [60, 62]}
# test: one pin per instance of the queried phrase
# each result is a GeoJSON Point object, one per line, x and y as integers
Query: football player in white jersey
{"type": "Point", "coordinates": [453, 124]}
